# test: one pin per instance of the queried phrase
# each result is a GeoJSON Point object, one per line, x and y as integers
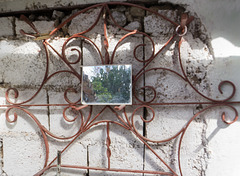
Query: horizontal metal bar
{"type": "Point", "coordinates": [115, 170]}
{"type": "Point", "coordinates": [134, 104]}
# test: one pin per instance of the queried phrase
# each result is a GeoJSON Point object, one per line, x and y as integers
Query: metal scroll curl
{"type": "Point", "coordinates": [125, 121]}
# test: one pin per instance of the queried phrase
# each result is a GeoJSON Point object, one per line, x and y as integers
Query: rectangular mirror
{"type": "Point", "coordinates": [107, 85]}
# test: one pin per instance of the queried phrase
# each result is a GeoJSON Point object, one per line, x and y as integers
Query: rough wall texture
{"type": "Point", "coordinates": [208, 143]}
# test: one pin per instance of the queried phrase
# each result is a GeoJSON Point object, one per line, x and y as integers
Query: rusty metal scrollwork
{"type": "Point", "coordinates": [126, 121]}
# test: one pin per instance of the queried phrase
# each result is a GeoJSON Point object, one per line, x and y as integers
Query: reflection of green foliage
{"type": "Point", "coordinates": [106, 97]}
{"type": "Point", "coordinates": [112, 85]}
{"type": "Point", "coordinates": [98, 88]}
{"type": "Point", "coordinates": [101, 92]}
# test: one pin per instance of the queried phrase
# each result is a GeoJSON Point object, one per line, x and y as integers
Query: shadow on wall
{"type": "Point", "coordinates": [222, 19]}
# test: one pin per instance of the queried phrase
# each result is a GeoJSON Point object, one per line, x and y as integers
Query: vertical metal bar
{"type": "Point", "coordinates": [108, 145]}
{"type": "Point", "coordinates": [105, 42]}
{"type": "Point", "coordinates": [59, 153]}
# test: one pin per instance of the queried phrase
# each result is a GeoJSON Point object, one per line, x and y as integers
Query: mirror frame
{"type": "Point", "coordinates": [99, 103]}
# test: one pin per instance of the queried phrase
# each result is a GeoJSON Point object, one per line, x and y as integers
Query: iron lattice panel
{"type": "Point", "coordinates": [125, 121]}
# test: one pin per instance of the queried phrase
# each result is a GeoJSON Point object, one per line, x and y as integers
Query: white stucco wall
{"type": "Point", "coordinates": [209, 148]}
{"type": "Point", "coordinates": [221, 19]}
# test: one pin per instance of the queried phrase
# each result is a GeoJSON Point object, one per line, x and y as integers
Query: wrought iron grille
{"type": "Point", "coordinates": [125, 121]}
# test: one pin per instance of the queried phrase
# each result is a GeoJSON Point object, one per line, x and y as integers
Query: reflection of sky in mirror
{"type": "Point", "coordinates": [89, 70]}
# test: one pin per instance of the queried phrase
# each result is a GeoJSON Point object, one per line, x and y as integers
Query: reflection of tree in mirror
{"type": "Point", "coordinates": [109, 84]}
